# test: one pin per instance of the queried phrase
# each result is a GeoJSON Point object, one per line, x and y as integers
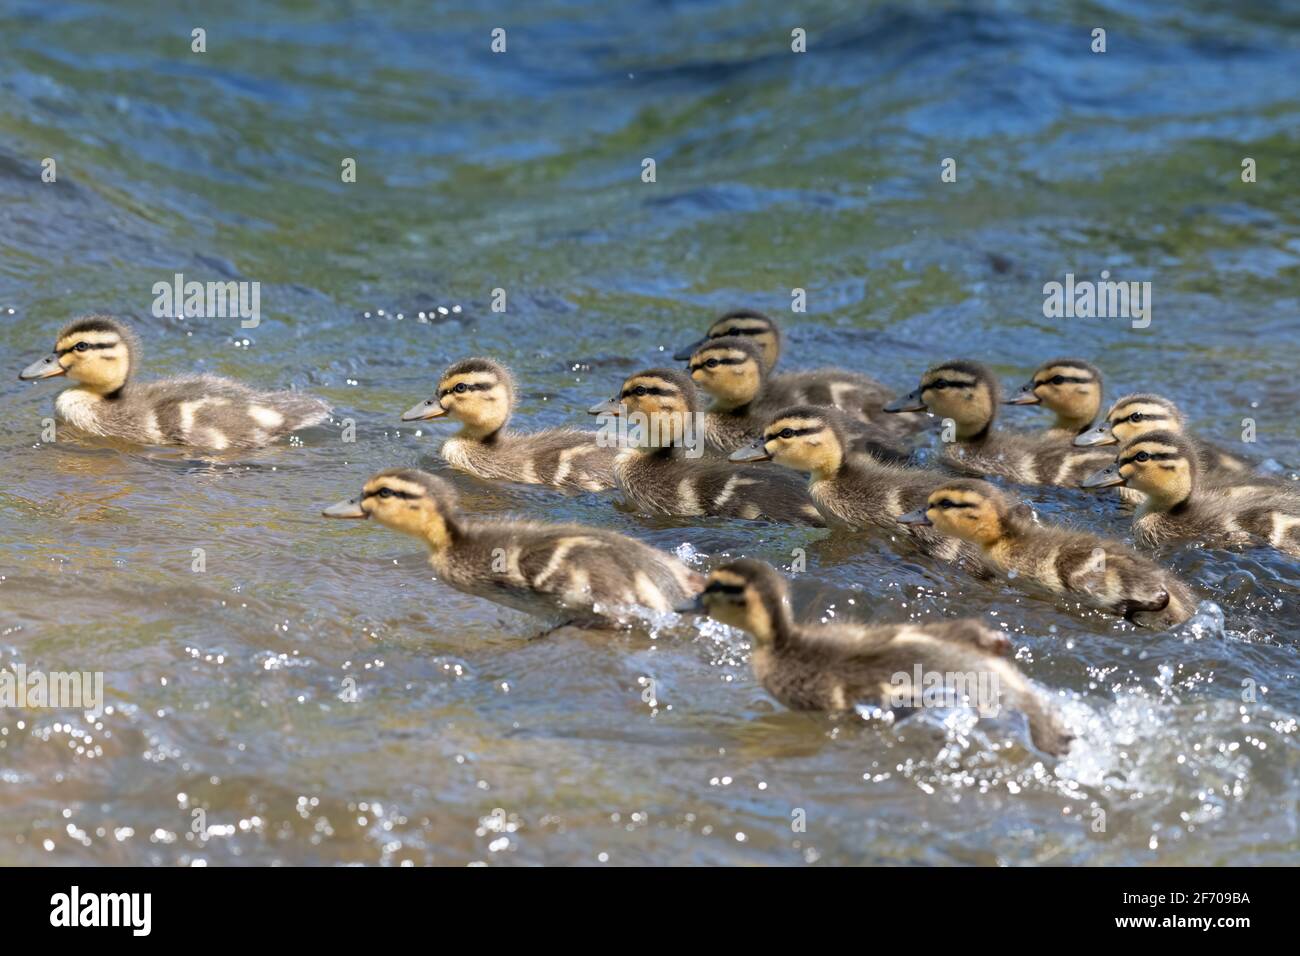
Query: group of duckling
{"type": "Point", "coordinates": [846, 432]}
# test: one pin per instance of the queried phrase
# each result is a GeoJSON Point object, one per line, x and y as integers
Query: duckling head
{"type": "Point", "coordinates": [730, 369]}
{"type": "Point", "coordinates": [972, 510]}
{"type": "Point", "coordinates": [742, 323]}
{"type": "Point", "coordinates": [408, 500]}
{"type": "Point", "coordinates": [1132, 416]}
{"type": "Point", "coordinates": [1069, 387]}
{"type": "Point", "coordinates": [477, 392]}
{"type": "Point", "coordinates": [803, 437]}
{"type": "Point", "coordinates": [966, 392]}
{"type": "Point", "coordinates": [660, 405]}
{"type": "Point", "coordinates": [97, 352]}
{"type": "Point", "coordinates": [1162, 465]}
{"type": "Point", "coordinates": [750, 595]}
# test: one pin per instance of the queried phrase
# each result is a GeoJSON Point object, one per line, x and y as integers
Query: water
{"type": "Point", "coordinates": [522, 172]}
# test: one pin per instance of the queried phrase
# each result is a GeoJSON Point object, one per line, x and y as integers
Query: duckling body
{"type": "Point", "coordinates": [967, 395]}
{"type": "Point", "coordinates": [730, 369]}
{"type": "Point", "coordinates": [839, 667]}
{"type": "Point", "coordinates": [662, 473]}
{"type": "Point", "coordinates": [1165, 467]}
{"type": "Point", "coordinates": [200, 411]}
{"type": "Point", "coordinates": [850, 490]}
{"type": "Point", "coordinates": [480, 394]}
{"type": "Point", "coordinates": [562, 573]}
{"type": "Point", "coordinates": [1094, 571]}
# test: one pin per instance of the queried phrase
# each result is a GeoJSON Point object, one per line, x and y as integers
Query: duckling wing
{"type": "Point", "coordinates": [211, 412]}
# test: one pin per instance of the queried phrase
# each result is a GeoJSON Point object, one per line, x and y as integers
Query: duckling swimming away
{"type": "Point", "coordinates": [1164, 466]}
{"type": "Point", "coordinates": [837, 667]}
{"type": "Point", "coordinates": [1141, 414]}
{"type": "Point", "coordinates": [101, 354]}
{"type": "Point", "coordinates": [661, 471]}
{"type": "Point", "coordinates": [730, 370]}
{"type": "Point", "coordinates": [967, 395]}
{"type": "Point", "coordinates": [1097, 572]}
{"type": "Point", "coordinates": [480, 394]}
{"type": "Point", "coordinates": [1070, 388]}
{"type": "Point", "coordinates": [563, 573]}
{"type": "Point", "coordinates": [850, 490]}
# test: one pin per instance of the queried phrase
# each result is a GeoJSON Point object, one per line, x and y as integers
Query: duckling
{"type": "Point", "coordinates": [967, 394]}
{"type": "Point", "coordinates": [837, 667]}
{"type": "Point", "coordinates": [730, 369]}
{"type": "Point", "coordinates": [1097, 572]}
{"type": "Point", "coordinates": [480, 394]}
{"type": "Point", "coordinates": [659, 472]}
{"type": "Point", "coordinates": [567, 574]}
{"type": "Point", "coordinates": [1070, 388]}
{"type": "Point", "coordinates": [1165, 467]}
{"type": "Point", "coordinates": [850, 490]}
{"type": "Point", "coordinates": [101, 354]}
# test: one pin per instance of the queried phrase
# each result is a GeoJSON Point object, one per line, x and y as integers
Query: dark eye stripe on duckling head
{"type": "Point", "coordinates": [947, 503]}
{"type": "Point", "coordinates": [782, 430]}
{"type": "Point", "coordinates": [945, 378]}
{"type": "Point", "coordinates": [713, 361]}
{"type": "Point", "coordinates": [648, 386]}
{"type": "Point", "coordinates": [84, 346]}
{"type": "Point", "coordinates": [1142, 455]}
{"type": "Point", "coordinates": [1058, 379]}
{"type": "Point", "coordinates": [720, 587]}
{"type": "Point", "coordinates": [391, 493]}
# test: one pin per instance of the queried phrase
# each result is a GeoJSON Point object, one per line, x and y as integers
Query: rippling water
{"type": "Point", "coordinates": [521, 171]}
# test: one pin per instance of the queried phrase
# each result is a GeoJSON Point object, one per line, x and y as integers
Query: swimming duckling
{"type": "Point", "coordinates": [850, 490]}
{"type": "Point", "coordinates": [1070, 388]}
{"type": "Point", "coordinates": [1097, 572]}
{"type": "Point", "coordinates": [742, 323]}
{"type": "Point", "coordinates": [730, 370]}
{"type": "Point", "coordinates": [480, 394]}
{"type": "Point", "coordinates": [564, 573]}
{"type": "Point", "coordinates": [1165, 467]}
{"type": "Point", "coordinates": [100, 354]}
{"type": "Point", "coordinates": [967, 394]}
{"type": "Point", "coordinates": [1141, 414]}
{"type": "Point", "coordinates": [836, 667]}
{"type": "Point", "coordinates": [662, 473]}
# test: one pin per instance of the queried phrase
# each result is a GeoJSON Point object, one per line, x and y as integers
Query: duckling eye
{"type": "Point", "coordinates": [639, 390]}
{"type": "Point", "coordinates": [81, 346]}
{"type": "Point", "coordinates": [1135, 417]}
{"type": "Point", "coordinates": [711, 363]}
{"type": "Point", "coordinates": [1057, 379]}
{"type": "Point", "coordinates": [944, 505]}
{"type": "Point", "coordinates": [786, 433]}
{"type": "Point", "coordinates": [941, 383]}
{"type": "Point", "coordinates": [1142, 456]}
{"type": "Point", "coordinates": [385, 492]}
{"type": "Point", "coordinates": [460, 388]}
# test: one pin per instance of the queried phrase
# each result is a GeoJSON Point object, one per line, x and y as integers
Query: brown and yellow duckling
{"type": "Point", "coordinates": [749, 324]}
{"type": "Point", "coordinates": [837, 667]}
{"type": "Point", "coordinates": [1077, 565]}
{"type": "Point", "coordinates": [480, 394]}
{"type": "Point", "coordinates": [967, 395]}
{"type": "Point", "coordinates": [661, 472]}
{"type": "Point", "coordinates": [850, 490]}
{"type": "Point", "coordinates": [1070, 389]}
{"type": "Point", "coordinates": [1165, 467]}
{"type": "Point", "coordinates": [100, 355]}
{"type": "Point", "coordinates": [563, 573]}
{"type": "Point", "coordinates": [730, 370]}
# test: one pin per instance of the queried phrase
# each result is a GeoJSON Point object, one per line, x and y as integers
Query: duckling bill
{"type": "Point", "coordinates": [562, 573]}
{"type": "Point", "coordinates": [101, 355]}
{"type": "Point", "coordinates": [837, 667]}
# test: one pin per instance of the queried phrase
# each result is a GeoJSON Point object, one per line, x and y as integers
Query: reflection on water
{"type": "Point", "coordinates": [320, 699]}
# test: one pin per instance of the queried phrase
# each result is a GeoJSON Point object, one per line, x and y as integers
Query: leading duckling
{"type": "Point", "coordinates": [480, 394]}
{"type": "Point", "coordinates": [1097, 572]}
{"type": "Point", "coordinates": [730, 370]}
{"type": "Point", "coordinates": [101, 354]}
{"type": "Point", "coordinates": [660, 472]}
{"type": "Point", "coordinates": [850, 490]}
{"type": "Point", "coordinates": [567, 574]}
{"type": "Point", "coordinates": [838, 667]}
{"type": "Point", "coordinates": [967, 395]}
{"type": "Point", "coordinates": [1165, 467]}
{"type": "Point", "coordinates": [742, 323]}
{"type": "Point", "coordinates": [1070, 389]}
